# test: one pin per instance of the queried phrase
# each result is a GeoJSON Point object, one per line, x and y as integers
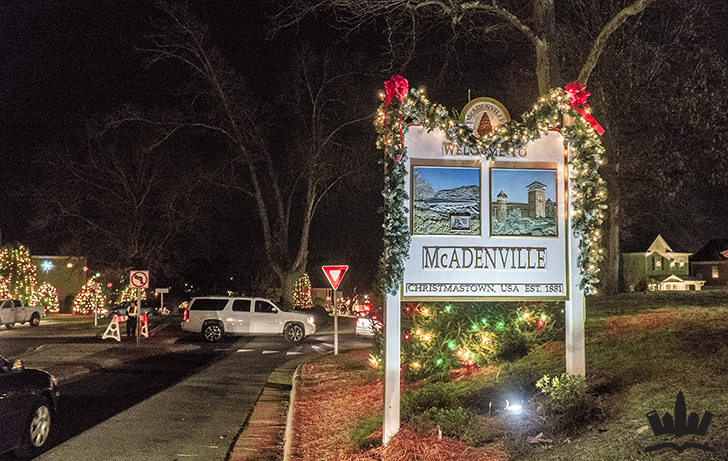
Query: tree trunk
{"type": "Point", "coordinates": [288, 283]}
{"type": "Point", "coordinates": [609, 270]}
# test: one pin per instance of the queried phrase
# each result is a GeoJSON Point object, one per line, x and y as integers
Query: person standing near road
{"type": "Point", "coordinates": [132, 314]}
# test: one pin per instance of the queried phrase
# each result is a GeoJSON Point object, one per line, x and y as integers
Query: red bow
{"type": "Point", "coordinates": [396, 86]}
{"type": "Point", "coordinates": [577, 97]}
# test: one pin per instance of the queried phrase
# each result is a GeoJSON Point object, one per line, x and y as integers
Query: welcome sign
{"type": "Point", "coordinates": [486, 229]}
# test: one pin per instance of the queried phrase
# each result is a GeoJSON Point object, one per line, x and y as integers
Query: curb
{"type": "Point", "coordinates": [288, 437]}
{"type": "Point", "coordinates": [258, 427]}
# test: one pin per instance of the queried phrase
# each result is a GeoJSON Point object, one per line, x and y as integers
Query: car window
{"type": "Point", "coordinates": [264, 307]}
{"type": "Point", "coordinates": [241, 305]}
{"type": "Point", "coordinates": [18, 303]}
{"type": "Point", "coordinates": [7, 305]}
{"type": "Point", "coordinates": [203, 304]}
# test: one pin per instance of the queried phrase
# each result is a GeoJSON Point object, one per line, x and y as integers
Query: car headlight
{"type": "Point", "coordinates": [311, 320]}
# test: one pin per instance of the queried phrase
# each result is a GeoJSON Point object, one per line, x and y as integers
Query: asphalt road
{"type": "Point", "coordinates": [171, 397]}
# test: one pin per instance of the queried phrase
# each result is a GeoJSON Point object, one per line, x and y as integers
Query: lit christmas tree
{"type": "Point", "coordinates": [89, 298]}
{"type": "Point", "coordinates": [4, 289]}
{"type": "Point", "coordinates": [130, 294]}
{"type": "Point", "coordinates": [18, 272]}
{"type": "Point", "coordinates": [302, 293]}
{"type": "Point", "coordinates": [47, 295]}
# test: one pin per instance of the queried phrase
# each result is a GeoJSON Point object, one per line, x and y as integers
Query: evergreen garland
{"type": "Point", "coordinates": [588, 203]}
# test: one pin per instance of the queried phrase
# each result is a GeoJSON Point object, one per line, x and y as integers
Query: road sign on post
{"type": "Point", "coordinates": [335, 274]}
{"type": "Point", "coordinates": [138, 280]}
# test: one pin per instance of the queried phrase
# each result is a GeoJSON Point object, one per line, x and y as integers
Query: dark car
{"type": "Point", "coordinates": [120, 310]}
{"type": "Point", "coordinates": [27, 408]}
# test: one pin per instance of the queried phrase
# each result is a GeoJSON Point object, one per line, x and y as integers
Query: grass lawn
{"type": "Point", "coordinates": [641, 350]}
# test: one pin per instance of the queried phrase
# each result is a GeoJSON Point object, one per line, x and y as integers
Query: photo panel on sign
{"type": "Point", "coordinates": [485, 229]}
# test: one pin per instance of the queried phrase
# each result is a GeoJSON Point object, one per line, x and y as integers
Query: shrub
{"type": "Point", "coordinates": [440, 337]}
{"type": "Point", "coordinates": [563, 392]}
{"type": "Point", "coordinates": [514, 345]}
{"type": "Point", "coordinates": [435, 395]}
{"type": "Point", "coordinates": [456, 423]}
{"type": "Point", "coordinates": [569, 407]}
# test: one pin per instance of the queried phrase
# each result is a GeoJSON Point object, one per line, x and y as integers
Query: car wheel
{"type": "Point", "coordinates": [35, 319]}
{"type": "Point", "coordinates": [294, 333]}
{"type": "Point", "coordinates": [213, 332]}
{"type": "Point", "coordinates": [9, 325]}
{"type": "Point", "coordinates": [36, 431]}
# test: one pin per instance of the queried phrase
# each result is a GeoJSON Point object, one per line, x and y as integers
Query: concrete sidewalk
{"type": "Point", "coordinates": [264, 437]}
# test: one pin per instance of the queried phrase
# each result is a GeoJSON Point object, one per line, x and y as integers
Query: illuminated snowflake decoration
{"type": "Point", "coordinates": [46, 266]}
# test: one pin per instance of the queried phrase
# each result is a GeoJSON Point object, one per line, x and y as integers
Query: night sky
{"type": "Point", "coordinates": [63, 63]}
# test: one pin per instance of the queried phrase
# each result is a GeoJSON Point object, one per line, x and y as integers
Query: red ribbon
{"type": "Point", "coordinates": [396, 86]}
{"type": "Point", "coordinates": [577, 97]}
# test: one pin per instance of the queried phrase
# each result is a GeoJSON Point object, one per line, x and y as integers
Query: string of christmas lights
{"type": "Point", "coordinates": [302, 293]}
{"type": "Point", "coordinates": [47, 295]}
{"type": "Point", "coordinates": [89, 298]}
{"type": "Point", "coordinates": [18, 273]}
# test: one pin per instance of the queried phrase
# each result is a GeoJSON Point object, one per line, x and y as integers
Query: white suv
{"type": "Point", "coordinates": [214, 316]}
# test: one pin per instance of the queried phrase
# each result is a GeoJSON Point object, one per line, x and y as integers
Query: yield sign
{"type": "Point", "coordinates": [334, 274]}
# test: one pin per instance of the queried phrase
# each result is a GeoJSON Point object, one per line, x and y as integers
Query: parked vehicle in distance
{"type": "Point", "coordinates": [14, 311]}
{"type": "Point", "coordinates": [368, 326]}
{"type": "Point", "coordinates": [27, 408]}
{"type": "Point", "coordinates": [120, 310]}
{"type": "Point", "coordinates": [215, 316]}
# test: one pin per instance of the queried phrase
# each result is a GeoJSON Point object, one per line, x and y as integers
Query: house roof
{"type": "Point", "coordinates": [682, 278]}
{"type": "Point", "coordinates": [660, 246]}
{"type": "Point", "coordinates": [714, 250]}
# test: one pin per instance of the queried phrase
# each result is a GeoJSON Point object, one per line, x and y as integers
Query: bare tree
{"type": "Point", "coordinates": [666, 110]}
{"type": "Point", "coordinates": [286, 167]}
{"type": "Point", "coordinates": [536, 21]}
{"type": "Point", "coordinates": [565, 45]}
{"type": "Point", "coordinates": [124, 198]}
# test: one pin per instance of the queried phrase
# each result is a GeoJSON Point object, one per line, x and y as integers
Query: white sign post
{"type": "Point", "coordinates": [161, 292]}
{"type": "Point", "coordinates": [391, 366]}
{"type": "Point", "coordinates": [334, 274]}
{"type": "Point", "coordinates": [575, 307]}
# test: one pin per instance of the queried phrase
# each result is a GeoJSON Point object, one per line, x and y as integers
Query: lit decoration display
{"type": "Point", "coordinates": [302, 293]}
{"type": "Point", "coordinates": [590, 190]}
{"type": "Point", "coordinates": [4, 288]}
{"type": "Point", "coordinates": [47, 295]}
{"type": "Point", "coordinates": [89, 298]}
{"type": "Point", "coordinates": [130, 294]}
{"type": "Point", "coordinates": [46, 266]}
{"type": "Point", "coordinates": [18, 273]}
{"type": "Point", "coordinates": [455, 336]}
{"type": "Point", "coordinates": [343, 305]}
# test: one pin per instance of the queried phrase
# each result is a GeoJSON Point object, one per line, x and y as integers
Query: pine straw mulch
{"type": "Point", "coordinates": [335, 393]}
{"type": "Point", "coordinates": [407, 445]}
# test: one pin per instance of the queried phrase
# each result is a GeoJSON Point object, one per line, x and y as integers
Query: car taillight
{"type": "Point", "coordinates": [186, 316]}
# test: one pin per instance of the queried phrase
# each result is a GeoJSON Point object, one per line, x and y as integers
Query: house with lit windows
{"type": "Point", "coordinates": [659, 269]}
{"type": "Point", "coordinates": [711, 264]}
